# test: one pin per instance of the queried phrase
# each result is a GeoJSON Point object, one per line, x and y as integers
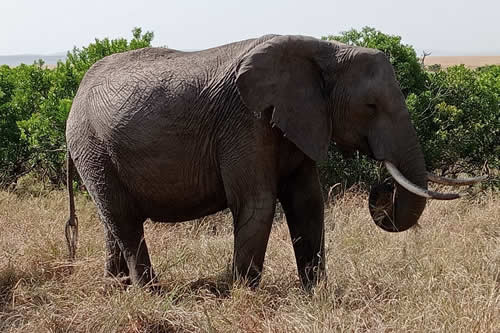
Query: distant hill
{"type": "Point", "coordinates": [468, 61]}
{"type": "Point", "coordinates": [445, 61]}
{"type": "Point", "coordinates": [28, 59]}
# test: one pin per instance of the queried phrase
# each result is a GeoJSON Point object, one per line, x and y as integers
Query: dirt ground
{"type": "Point", "coordinates": [469, 61]}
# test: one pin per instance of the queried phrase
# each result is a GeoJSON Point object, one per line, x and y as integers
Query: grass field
{"type": "Point", "coordinates": [442, 276]}
{"type": "Point", "coordinates": [468, 61]}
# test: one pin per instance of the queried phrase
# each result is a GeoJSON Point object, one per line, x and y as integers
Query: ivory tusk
{"type": "Point", "coordinates": [398, 176]}
{"type": "Point", "coordinates": [454, 182]}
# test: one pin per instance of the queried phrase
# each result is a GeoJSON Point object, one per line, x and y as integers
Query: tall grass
{"type": "Point", "coordinates": [443, 276]}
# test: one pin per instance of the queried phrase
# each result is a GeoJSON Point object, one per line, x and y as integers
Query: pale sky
{"type": "Point", "coordinates": [443, 27]}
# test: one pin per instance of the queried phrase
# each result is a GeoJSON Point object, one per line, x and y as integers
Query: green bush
{"type": "Point", "coordinates": [22, 92]}
{"type": "Point", "coordinates": [458, 118]}
{"type": "Point", "coordinates": [34, 105]}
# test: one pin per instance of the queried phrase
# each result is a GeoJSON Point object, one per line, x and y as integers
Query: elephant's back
{"type": "Point", "coordinates": [125, 87]}
{"type": "Point", "coordinates": [123, 91]}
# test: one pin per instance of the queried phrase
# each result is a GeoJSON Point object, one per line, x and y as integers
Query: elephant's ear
{"type": "Point", "coordinates": [284, 74]}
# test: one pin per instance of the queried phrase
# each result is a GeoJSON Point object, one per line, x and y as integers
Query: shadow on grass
{"type": "Point", "coordinates": [9, 278]}
{"type": "Point", "coordinates": [41, 272]}
{"type": "Point", "coordinates": [217, 286]}
{"type": "Point", "coordinates": [154, 325]}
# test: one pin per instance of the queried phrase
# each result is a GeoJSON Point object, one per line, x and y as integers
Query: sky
{"type": "Point", "coordinates": [443, 27]}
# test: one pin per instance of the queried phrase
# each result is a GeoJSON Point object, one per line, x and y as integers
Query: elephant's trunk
{"type": "Point", "coordinates": [397, 209]}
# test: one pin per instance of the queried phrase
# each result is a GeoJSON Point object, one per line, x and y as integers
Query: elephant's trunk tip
{"type": "Point", "coordinates": [397, 208]}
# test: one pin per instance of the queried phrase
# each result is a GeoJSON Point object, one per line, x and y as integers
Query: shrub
{"type": "Point", "coordinates": [22, 92]}
{"type": "Point", "coordinates": [458, 118]}
{"type": "Point", "coordinates": [34, 105]}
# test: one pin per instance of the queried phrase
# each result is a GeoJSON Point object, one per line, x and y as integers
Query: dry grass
{"type": "Point", "coordinates": [444, 276]}
{"type": "Point", "coordinates": [468, 61]}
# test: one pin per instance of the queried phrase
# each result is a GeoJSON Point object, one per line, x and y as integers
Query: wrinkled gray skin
{"type": "Point", "coordinates": [174, 136]}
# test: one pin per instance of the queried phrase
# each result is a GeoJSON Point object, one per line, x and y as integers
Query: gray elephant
{"type": "Point", "coordinates": [173, 136]}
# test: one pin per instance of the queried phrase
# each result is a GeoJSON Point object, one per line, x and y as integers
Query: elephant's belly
{"type": "Point", "coordinates": [174, 210]}
{"type": "Point", "coordinates": [175, 189]}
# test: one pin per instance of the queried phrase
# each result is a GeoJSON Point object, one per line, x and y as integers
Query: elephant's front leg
{"type": "Point", "coordinates": [302, 202]}
{"type": "Point", "coordinates": [252, 224]}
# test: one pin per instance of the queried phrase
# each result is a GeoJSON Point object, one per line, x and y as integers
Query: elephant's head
{"type": "Point", "coordinates": [320, 91]}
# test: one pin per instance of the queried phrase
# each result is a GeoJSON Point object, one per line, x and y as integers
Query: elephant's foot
{"type": "Point", "coordinates": [116, 266]}
{"type": "Point", "coordinates": [311, 275]}
{"type": "Point", "coordinates": [116, 270]}
{"type": "Point", "coordinates": [148, 280]}
{"type": "Point", "coordinates": [249, 276]}
{"type": "Point", "coordinates": [122, 281]}
{"type": "Point", "coordinates": [141, 272]}
{"type": "Point", "coordinates": [131, 266]}
{"type": "Point", "coordinates": [144, 277]}
{"type": "Point", "coordinates": [117, 273]}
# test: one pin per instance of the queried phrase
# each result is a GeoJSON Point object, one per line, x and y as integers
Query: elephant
{"type": "Point", "coordinates": [173, 136]}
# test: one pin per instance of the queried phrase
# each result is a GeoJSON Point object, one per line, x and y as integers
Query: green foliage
{"type": "Point", "coordinates": [458, 118]}
{"type": "Point", "coordinates": [24, 88]}
{"type": "Point", "coordinates": [347, 171]}
{"type": "Point", "coordinates": [82, 59]}
{"type": "Point", "coordinates": [34, 105]}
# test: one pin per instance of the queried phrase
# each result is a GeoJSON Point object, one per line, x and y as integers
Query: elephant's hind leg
{"type": "Point", "coordinates": [116, 265]}
{"type": "Point", "coordinates": [302, 202]}
{"type": "Point", "coordinates": [135, 251]}
{"type": "Point", "coordinates": [127, 252]}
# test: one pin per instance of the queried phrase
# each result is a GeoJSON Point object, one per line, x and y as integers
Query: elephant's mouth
{"type": "Point", "coordinates": [367, 150]}
{"type": "Point", "coordinates": [349, 151]}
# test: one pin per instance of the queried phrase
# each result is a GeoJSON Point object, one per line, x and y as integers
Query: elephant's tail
{"type": "Point", "coordinates": [71, 229]}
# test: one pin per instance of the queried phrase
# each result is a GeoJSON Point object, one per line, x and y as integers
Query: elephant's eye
{"type": "Point", "coordinates": [372, 108]}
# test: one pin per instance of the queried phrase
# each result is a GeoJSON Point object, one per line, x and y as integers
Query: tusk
{"type": "Point", "coordinates": [398, 176]}
{"type": "Point", "coordinates": [454, 182]}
